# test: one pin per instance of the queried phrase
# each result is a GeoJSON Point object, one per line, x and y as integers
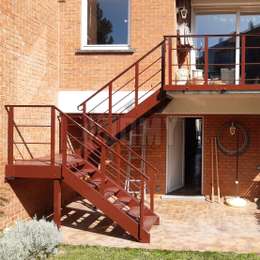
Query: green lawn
{"type": "Point", "coordinates": [103, 253]}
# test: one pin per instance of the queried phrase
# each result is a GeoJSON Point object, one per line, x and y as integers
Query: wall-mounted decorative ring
{"type": "Point", "coordinates": [243, 133]}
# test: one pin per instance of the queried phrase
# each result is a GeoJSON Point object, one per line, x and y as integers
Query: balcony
{"type": "Point", "coordinates": [212, 62]}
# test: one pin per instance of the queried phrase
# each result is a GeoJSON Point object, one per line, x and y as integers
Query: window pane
{"type": "Point", "coordinates": [221, 48]}
{"type": "Point", "coordinates": [108, 22]}
{"type": "Point", "coordinates": [250, 24]}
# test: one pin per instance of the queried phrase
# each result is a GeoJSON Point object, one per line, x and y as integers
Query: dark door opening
{"type": "Point", "coordinates": [192, 158]}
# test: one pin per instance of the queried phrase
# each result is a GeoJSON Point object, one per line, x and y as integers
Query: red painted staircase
{"type": "Point", "coordinates": [101, 176]}
{"type": "Point", "coordinates": [131, 95]}
{"type": "Point", "coordinates": [91, 158]}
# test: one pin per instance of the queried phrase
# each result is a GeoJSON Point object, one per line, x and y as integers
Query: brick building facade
{"type": "Point", "coordinates": [40, 56]}
{"type": "Point", "coordinates": [29, 65]}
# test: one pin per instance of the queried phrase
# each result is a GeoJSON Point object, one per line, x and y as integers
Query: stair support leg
{"type": "Point", "coordinates": [57, 202]}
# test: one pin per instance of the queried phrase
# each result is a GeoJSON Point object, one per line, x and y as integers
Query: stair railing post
{"type": "Point", "coordinates": [141, 208]}
{"type": "Point", "coordinates": [53, 130]}
{"type": "Point", "coordinates": [64, 126]}
{"type": "Point", "coordinates": [163, 63]}
{"type": "Point", "coordinates": [243, 60]}
{"type": "Point", "coordinates": [170, 61]}
{"type": "Point", "coordinates": [110, 106]}
{"type": "Point", "coordinates": [206, 60]}
{"type": "Point", "coordinates": [136, 83]}
{"type": "Point", "coordinates": [10, 135]}
{"type": "Point", "coordinates": [118, 161]}
{"type": "Point", "coordinates": [103, 167]}
{"type": "Point", "coordinates": [85, 125]}
{"type": "Point", "coordinates": [152, 193]}
{"type": "Point", "coordinates": [57, 202]}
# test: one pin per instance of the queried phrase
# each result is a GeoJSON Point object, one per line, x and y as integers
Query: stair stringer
{"type": "Point", "coordinates": [117, 215]}
{"type": "Point", "coordinates": [149, 106]}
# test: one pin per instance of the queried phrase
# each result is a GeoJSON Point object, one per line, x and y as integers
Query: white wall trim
{"type": "Point", "coordinates": [215, 3]}
{"type": "Point", "coordinates": [84, 23]}
{"type": "Point", "coordinates": [203, 154]}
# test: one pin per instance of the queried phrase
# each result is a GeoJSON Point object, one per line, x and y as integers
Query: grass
{"type": "Point", "coordinates": [100, 253]}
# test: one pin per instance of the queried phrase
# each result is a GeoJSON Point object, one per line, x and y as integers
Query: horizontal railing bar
{"type": "Point", "coordinates": [148, 67]}
{"type": "Point", "coordinates": [31, 160]}
{"type": "Point", "coordinates": [214, 48]}
{"type": "Point", "coordinates": [211, 35]}
{"type": "Point", "coordinates": [32, 106]}
{"type": "Point", "coordinates": [32, 143]}
{"type": "Point", "coordinates": [33, 126]}
{"type": "Point", "coordinates": [147, 80]}
{"type": "Point", "coordinates": [115, 91]}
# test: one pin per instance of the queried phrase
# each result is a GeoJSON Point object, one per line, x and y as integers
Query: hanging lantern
{"type": "Point", "coordinates": [232, 129]}
{"type": "Point", "coordinates": [184, 13]}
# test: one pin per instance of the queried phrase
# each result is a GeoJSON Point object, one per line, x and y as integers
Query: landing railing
{"type": "Point", "coordinates": [202, 62]}
{"type": "Point", "coordinates": [32, 134]}
{"type": "Point", "coordinates": [60, 146]}
{"type": "Point", "coordinates": [209, 62]}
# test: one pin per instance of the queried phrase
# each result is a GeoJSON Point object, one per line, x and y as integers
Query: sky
{"type": "Point", "coordinates": [117, 12]}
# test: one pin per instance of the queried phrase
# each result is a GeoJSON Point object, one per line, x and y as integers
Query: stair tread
{"type": "Point", "coordinates": [94, 183]}
{"type": "Point", "coordinates": [134, 212]}
{"type": "Point", "coordinates": [108, 194]}
{"type": "Point", "coordinates": [119, 204]}
{"type": "Point", "coordinates": [111, 188]}
{"type": "Point", "coordinates": [124, 199]}
{"type": "Point", "coordinates": [81, 174]}
{"type": "Point", "coordinates": [89, 170]}
{"type": "Point", "coordinates": [149, 222]}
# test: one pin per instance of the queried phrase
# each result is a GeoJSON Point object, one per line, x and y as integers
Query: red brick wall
{"type": "Point", "coordinates": [227, 164]}
{"type": "Point", "coordinates": [150, 20]}
{"type": "Point", "coordinates": [156, 149]}
{"type": "Point", "coordinates": [28, 73]}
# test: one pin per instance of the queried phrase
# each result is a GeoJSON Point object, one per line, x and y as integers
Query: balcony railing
{"type": "Point", "coordinates": [213, 61]}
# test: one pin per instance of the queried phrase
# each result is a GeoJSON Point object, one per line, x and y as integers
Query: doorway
{"type": "Point", "coordinates": [184, 160]}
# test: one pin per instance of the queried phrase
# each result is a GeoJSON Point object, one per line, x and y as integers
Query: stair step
{"type": "Point", "coordinates": [119, 204]}
{"type": "Point", "coordinates": [92, 185]}
{"type": "Point", "coordinates": [81, 174]}
{"type": "Point", "coordinates": [89, 170]}
{"type": "Point", "coordinates": [108, 194]}
{"type": "Point", "coordinates": [94, 182]}
{"type": "Point", "coordinates": [125, 199]}
{"type": "Point", "coordinates": [112, 189]}
{"type": "Point", "coordinates": [149, 221]}
{"type": "Point", "coordinates": [134, 212]}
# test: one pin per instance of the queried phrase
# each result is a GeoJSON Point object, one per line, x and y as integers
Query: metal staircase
{"type": "Point", "coordinates": [86, 153]}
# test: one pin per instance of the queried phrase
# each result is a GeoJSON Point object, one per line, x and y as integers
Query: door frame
{"type": "Point", "coordinates": [202, 148]}
{"type": "Point", "coordinates": [167, 151]}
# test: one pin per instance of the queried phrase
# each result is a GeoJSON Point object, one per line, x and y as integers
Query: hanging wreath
{"type": "Point", "coordinates": [233, 127]}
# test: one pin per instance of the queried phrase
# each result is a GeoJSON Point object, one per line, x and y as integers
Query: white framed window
{"type": "Point", "coordinates": [105, 24]}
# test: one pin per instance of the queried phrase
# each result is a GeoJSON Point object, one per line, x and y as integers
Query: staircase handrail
{"type": "Point", "coordinates": [119, 75]}
{"type": "Point", "coordinates": [121, 143]}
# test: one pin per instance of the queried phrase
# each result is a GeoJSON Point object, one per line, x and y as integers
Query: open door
{"type": "Point", "coordinates": [175, 157]}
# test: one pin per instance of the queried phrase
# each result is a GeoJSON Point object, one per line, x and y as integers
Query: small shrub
{"type": "Point", "coordinates": [30, 240]}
